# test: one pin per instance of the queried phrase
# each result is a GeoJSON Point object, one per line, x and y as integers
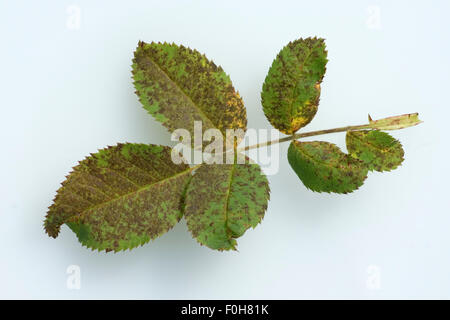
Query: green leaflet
{"type": "Point", "coordinates": [178, 86]}
{"type": "Point", "coordinates": [291, 91]}
{"type": "Point", "coordinates": [323, 167]}
{"type": "Point", "coordinates": [120, 197]}
{"type": "Point", "coordinates": [223, 201]}
{"type": "Point", "coordinates": [377, 149]}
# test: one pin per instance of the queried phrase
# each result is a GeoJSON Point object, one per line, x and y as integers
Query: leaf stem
{"type": "Point", "coordinates": [306, 134]}
{"type": "Point", "coordinates": [390, 123]}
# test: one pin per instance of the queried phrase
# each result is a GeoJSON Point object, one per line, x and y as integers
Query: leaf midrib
{"type": "Point", "coordinates": [295, 82]}
{"type": "Point", "coordinates": [302, 64]}
{"type": "Point", "coordinates": [314, 159]}
{"type": "Point", "coordinates": [374, 146]}
{"type": "Point", "coordinates": [80, 215]}
{"type": "Point", "coordinates": [227, 229]}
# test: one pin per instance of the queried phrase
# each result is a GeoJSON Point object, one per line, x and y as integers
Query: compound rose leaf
{"type": "Point", "coordinates": [120, 197]}
{"type": "Point", "coordinates": [291, 91]}
{"type": "Point", "coordinates": [223, 201]}
{"type": "Point", "coordinates": [378, 150]}
{"type": "Point", "coordinates": [323, 167]}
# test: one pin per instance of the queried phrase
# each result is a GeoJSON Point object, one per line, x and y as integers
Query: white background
{"type": "Point", "coordinates": [67, 91]}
